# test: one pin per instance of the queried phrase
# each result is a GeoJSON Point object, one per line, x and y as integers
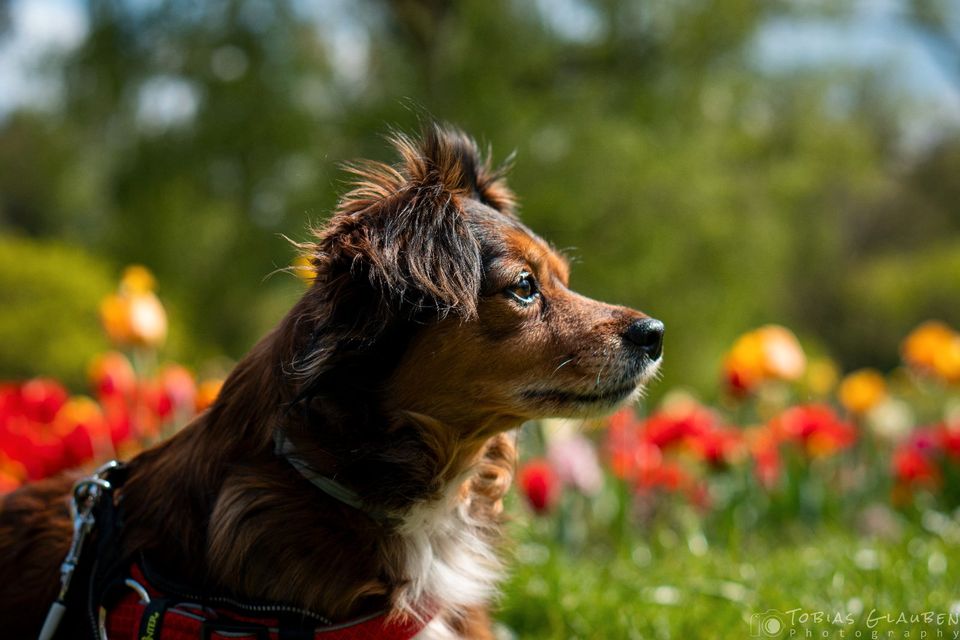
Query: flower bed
{"type": "Point", "coordinates": [787, 439]}
{"type": "Point", "coordinates": [132, 401]}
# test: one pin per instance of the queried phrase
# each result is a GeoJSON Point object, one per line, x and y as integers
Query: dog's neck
{"type": "Point", "coordinates": [219, 508]}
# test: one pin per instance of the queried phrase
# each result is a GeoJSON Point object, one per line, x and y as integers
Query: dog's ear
{"type": "Point", "coordinates": [402, 234]}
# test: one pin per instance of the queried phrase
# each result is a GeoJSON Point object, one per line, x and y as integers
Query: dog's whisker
{"type": "Point", "coordinates": [603, 367]}
{"type": "Point", "coordinates": [563, 364]}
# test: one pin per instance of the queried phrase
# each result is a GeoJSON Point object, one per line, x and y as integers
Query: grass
{"type": "Point", "coordinates": [827, 582]}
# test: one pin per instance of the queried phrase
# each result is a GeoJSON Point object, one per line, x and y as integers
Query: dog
{"type": "Point", "coordinates": [356, 459]}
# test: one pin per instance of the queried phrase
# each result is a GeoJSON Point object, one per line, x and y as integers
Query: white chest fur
{"type": "Point", "coordinates": [448, 558]}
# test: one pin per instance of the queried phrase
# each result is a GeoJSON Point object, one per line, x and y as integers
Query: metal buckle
{"type": "Point", "coordinates": [138, 588]}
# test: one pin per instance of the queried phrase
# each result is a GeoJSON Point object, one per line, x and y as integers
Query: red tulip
{"type": "Point", "coordinates": [40, 451]}
{"type": "Point", "coordinates": [157, 400]}
{"type": "Point", "coordinates": [84, 431]}
{"type": "Point", "coordinates": [765, 450]}
{"type": "Point", "coordinates": [179, 386]}
{"type": "Point", "coordinates": [539, 484]}
{"type": "Point", "coordinates": [623, 438]}
{"type": "Point", "coordinates": [628, 462]}
{"type": "Point", "coordinates": [668, 476]}
{"type": "Point", "coordinates": [912, 467]}
{"type": "Point", "coordinates": [41, 398]}
{"type": "Point", "coordinates": [717, 446]}
{"type": "Point", "coordinates": [10, 404]}
{"type": "Point", "coordinates": [949, 435]}
{"type": "Point", "coordinates": [116, 414]}
{"type": "Point", "coordinates": [111, 375]}
{"type": "Point", "coordinates": [676, 424]}
{"type": "Point", "coordinates": [816, 427]}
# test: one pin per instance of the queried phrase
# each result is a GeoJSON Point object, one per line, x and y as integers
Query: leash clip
{"type": "Point", "coordinates": [87, 493]}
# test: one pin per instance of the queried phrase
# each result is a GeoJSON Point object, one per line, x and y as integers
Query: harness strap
{"type": "Point", "coordinates": [163, 618]}
{"type": "Point", "coordinates": [142, 611]}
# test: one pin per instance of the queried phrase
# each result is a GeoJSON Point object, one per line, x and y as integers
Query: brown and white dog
{"type": "Point", "coordinates": [436, 323]}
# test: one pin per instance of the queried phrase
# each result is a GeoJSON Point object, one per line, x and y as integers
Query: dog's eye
{"type": "Point", "coordinates": [524, 290]}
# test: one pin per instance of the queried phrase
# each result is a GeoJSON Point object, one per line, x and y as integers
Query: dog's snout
{"type": "Point", "coordinates": [648, 335]}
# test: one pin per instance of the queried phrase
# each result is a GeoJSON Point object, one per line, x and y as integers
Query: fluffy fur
{"type": "Point", "coordinates": [436, 323]}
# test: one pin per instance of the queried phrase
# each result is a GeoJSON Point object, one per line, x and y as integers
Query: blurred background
{"type": "Point", "coordinates": [777, 180]}
{"type": "Point", "coordinates": [718, 164]}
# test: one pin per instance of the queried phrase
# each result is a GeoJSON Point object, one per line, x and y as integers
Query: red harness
{"type": "Point", "coordinates": [142, 612]}
{"type": "Point", "coordinates": [138, 604]}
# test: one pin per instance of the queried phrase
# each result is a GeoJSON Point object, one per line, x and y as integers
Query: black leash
{"type": "Point", "coordinates": [94, 514]}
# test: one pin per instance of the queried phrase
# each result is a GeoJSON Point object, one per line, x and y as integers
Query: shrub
{"type": "Point", "coordinates": [49, 294]}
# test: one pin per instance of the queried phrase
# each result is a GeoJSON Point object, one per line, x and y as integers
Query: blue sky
{"type": "Point", "coordinates": [37, 26]}
{"type": "Point", "coordinates": [875, 37]}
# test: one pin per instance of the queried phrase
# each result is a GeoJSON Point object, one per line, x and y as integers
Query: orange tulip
{"type": "Point", "coordinates": [771, 352]}
{"type": "Point", "coordinates": [134, 315]}
{"type": "Point", "coordinates": [743, 364]}
{"type": "Point", "coordinates": [207, 393]}
{"type": "Point", "coordinates": [933, 348]}
{"type": "Point", "coordinates": [946, 363]}
{"type": "Point", "coordinates": [862, 390]}
{"type": "Point", "coordinates": [115, 317]}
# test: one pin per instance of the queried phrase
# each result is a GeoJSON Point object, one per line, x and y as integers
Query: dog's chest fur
{"type": "Point", "coordinates": [449, 559]}
{"type": "Point", "coordinates": [448, 544]}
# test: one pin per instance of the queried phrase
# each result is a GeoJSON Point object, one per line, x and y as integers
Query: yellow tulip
{"type": "Point", "coordinates": [137, 279]}
{"type": "Point", "coordinates": [303, 267]}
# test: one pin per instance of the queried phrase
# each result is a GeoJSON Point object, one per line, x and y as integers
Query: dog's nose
{"type": "Point", "coordinates": [648, 335]}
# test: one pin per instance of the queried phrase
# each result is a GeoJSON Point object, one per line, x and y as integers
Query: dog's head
{"type": "Point", "coordinates": [428, 286]}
